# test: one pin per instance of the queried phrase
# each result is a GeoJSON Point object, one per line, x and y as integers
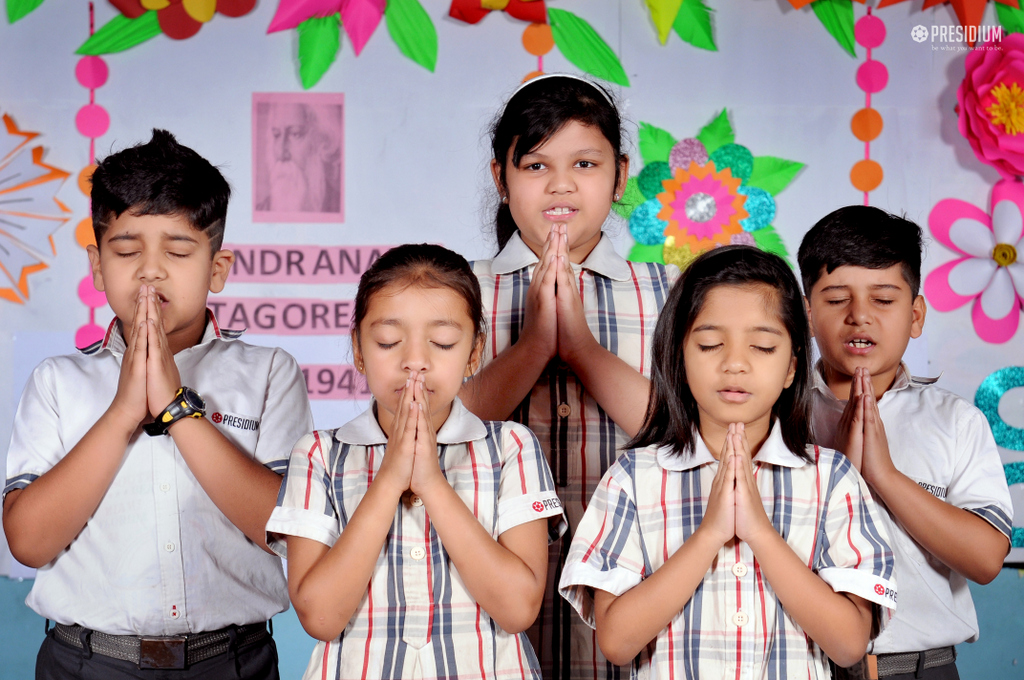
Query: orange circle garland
{"type": "Point", "coordinates": [866, 125]}
{"type": "Point", "coordinates": [866, 175]}
{"type": "Point", "coordinates": [538, 39]}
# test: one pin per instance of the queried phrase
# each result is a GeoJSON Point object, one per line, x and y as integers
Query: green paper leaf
{"type": "Point", "coordinates": [716, 133]}
{"type": "Point", "coordinates": [631, 198]}
{"type": "Point", "coordinates": [769, 240]}
{"type": "Point", "coordinates": [693, 25]}
{"type": "Point", "coordinates": [642, 253]}
{"type": "Point", "coordinates": [319, 40]}
{"type": "Point", "coordinates": [583, 47]}
{"type": "Point", "coordinates": [773, 174]}
{"type": "Point", "coordinates": [1011, 18]}
{"type": "Point", "coordinates": [413, 31]}
{"type": "Point", "coordinates": [121, 33]}
{"type": "Point", "coordinates": [19, 9]}
{"type": "Point", "coordinates": [655, 143]}
{"type": "Point", "coordinates": [663, 14]}
{"type": "Point", "coordinates": [837, 17]}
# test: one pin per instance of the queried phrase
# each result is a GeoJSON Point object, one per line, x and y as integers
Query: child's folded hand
{"type": "Point", "coordinates": [162, 377]}
{"type": "Point", "coordinates": [131, 398]}
{"type": "Point", "coordinates": [850, 431]}
{"type": "Point", "coordinates": [720, 516]}
{"type": "Point", "coordinates": [396, 469]}
{"type": "Point", "coordinates": [540, 326]}
{"type": "Point", "coordinates": [574, 335]}
{"type": "Point", "coordinates": [426, 470]}
{"type": "Point", "coordinates": [751, 520]}
{"type": "Point", "coordinates": [877, 462]}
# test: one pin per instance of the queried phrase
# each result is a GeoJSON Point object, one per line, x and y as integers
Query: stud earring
{"type": "Point", "coordinates": [616, 197]}
{"type": "Point", "coordinates": [504, 199]}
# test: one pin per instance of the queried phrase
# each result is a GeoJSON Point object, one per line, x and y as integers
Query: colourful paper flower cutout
{"type": "Point", "coordinates": [180, 19]}
{"type": "Point", "coordinates": [472, 11]}
{"type": "Point", "coordinates": [990, 272]}
{"type": "Point", "coordinates": [702, 207]}
{"type": "Point", "coordinates": [989, 105]}
{"type": "Point", "coordinates": [29, 211]}
{"type": "Point", "coordinates": [702, 192]}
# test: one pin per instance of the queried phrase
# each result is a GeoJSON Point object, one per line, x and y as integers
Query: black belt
{"type": "Point", "coordinates": [174, 651]}
{"type": "Point", "coordinates": [914, 662]}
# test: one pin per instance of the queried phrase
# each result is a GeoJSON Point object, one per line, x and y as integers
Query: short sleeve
{"type": "Point", "coordinates": [607, 550]}
{"type": "Point", "coordinates": [286, 414]}
{"type": "Point", "coordinates": [304, 504]}
{"type": "Point", "coordinates": [36, 444]}
{"type": "Point", "coordinates": [979, 483]}
{"type": "Point", "coordinates": [526, 491]}
{"type": "Point", "coordinates": [853, 553]}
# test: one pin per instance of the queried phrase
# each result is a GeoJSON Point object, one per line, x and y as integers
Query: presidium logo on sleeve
{"type": "Point", "coordinates": [885, 592]}
{"type": "Point", "coordinates": [237, 422]}
{"type": "Point", "coordinates": [539, 506]}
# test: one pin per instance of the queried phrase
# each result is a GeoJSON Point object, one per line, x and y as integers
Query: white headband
{"type": "Point", "coordinates": [545, 76]}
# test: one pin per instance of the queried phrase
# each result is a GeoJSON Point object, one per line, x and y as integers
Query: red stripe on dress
{"type": "Point", "coordinates": [764, 611]}
{"type": "Point", "coordinates": [476, 480]}
{"type": "Point", "coordinates": [323, 662]}
{"type": "Point", "coordinates": [494, 317]}
{"type": "Point", "coordinates": [309, 467]}
{"type": "Point", "coordinates": [430, 582]}
{"type": "Point", "coordinates": [640, 310]}
{"type": "Point", "coordinates": [849, 530]}
{"type": "Point", "coordinates": [480, 642]}
{"type": "Point", "coordinates": [519, 459]}
{"type": "Point", "coordinates": [213, 320]}
{"type": "Point", "coordinates": [664, 515]}
{"type": "Point", "coordinates": [369, 627]}
{"type": "Point", "coordinates": [519, 656]}
{"type": "Point", "coordinates": [597, 540]}
{"type": "Point", "coordinates": [817, 508]}
{"type": "Point", "coordinates": [671, 653]}
{"type": "Point", "coordinates": [584, 497]}
{"type": "Point", "coordinates": [110, 331]}
{"type": "Point", "coordinates": [739, 607]}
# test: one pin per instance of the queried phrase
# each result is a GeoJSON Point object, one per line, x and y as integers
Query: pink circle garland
{"type": "Point", "coordinates": [92, 121]}
{"type": "Point", "coordinates": [91, 72]}
{"type": "Point", "coordinates": [869, 31]}
{"type": "Point", "coordinates": [872, 77]}
{"type": "Point", "coordinates": [88, 294]}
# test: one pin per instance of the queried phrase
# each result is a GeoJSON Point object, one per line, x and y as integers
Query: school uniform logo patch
{"type": "Point", "coordinates": [540, 506]}
{"type": "Point", "coordinates": [237, 422]}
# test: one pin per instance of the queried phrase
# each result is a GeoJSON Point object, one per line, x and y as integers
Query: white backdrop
{"type": "Point", "coordinates": [415, 142]}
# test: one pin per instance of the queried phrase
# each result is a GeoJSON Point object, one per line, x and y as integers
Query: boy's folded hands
{"type": "Point", "coordinates": [861, 433]}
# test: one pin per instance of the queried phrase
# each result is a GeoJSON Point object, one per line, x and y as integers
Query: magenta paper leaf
{"type": "Point", "coordinates": [360, 19]}
{"type": "Point", "coordinates": [938, 291]}
{"type": "Point", "coordinates": [291, 13]}
{"type": "Point", "coordinates": [948, 211]}
{"type": "Point", "coordinates": [995, 331]}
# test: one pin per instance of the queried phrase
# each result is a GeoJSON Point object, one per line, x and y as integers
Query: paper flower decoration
{"type": "Point", "coordinates": [691, 21]}
{"type": "Point", "coordinates": [988, 272]}
{"type": "Point", "coordinates": [141, 20]}
{"type": "Point", "coordinates": [700, 193]}
{"type": "Point", "coordinates": [319, 24]}
{"type": "Point", "coordinates": [990, 105]}
{"type": "Point", "coordinates": [576, 39]}
{"type": "Point", "coordinates": [29, 211]}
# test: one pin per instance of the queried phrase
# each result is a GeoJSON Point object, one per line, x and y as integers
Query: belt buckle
{"type": "Point", "coordinates": [162, 652]}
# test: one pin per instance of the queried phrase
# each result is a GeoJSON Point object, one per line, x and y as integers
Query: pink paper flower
{"type": "Point", "coordinates": [990, 104]}
{"type": "Point", "coordinates": [990, 272]}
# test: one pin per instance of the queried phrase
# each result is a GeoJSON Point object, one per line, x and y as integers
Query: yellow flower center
{"type": "Point", "coordinates": [1008, 108]}
{"type": "Point", "coordinates": [1004, 254]}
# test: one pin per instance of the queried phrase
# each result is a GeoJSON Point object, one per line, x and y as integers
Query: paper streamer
{"type": "Point", "coordinates": [987, 398]}
{"type": "Point", "coordinates": [872, 77]}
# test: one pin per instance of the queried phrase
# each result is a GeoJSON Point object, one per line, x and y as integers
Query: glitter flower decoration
{"type": "Point", "coordinates": [990, 104]}
{"type": "Point", "coordinates": [700, 193]}
{"type": "Point", "coordinates": [989, 272]}
{"type": "Point", "coordinates": [29, 212]}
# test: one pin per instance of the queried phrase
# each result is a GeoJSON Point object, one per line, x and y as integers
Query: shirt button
{"type": "Point", "coordinates": [174, 612]}
{"type": "Point", "coordinates": [165, 487]}
{"type": "Point", "coordinates": [417, 501]}
{"type": "Point", "coordinates": [739, 570]}
{"type": "Point", "coordinates": [740, 619]}
{"type": "Point", "coordinates": [169, 547]}
{"type": "Point", "coordinates": [417, 553]}
{"type": "Point", "coordinates": [564, 410]}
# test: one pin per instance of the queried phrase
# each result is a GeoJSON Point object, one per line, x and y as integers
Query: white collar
{"type": "Point", "coordinates": [113, 339]}
{"type": "Point", "coordinates": [460, 427]}
{"type": "Point", "coordinates": [773, 452]}
{"type": "Point", "coordinates": [602, 259]}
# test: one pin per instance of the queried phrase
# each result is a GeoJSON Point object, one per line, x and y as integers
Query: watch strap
{"type": "Point", "coordinates": [178, 408]}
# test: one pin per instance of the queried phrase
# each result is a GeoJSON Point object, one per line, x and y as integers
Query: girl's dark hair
{"type": "Point", "coordinates": [672, 417]}
{"type": "Point", "coordinates": [536, 112]}
{"type": "Point", "coordinates": [420, 264]}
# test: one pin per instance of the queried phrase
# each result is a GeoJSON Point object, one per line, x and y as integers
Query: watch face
{"type": "Point", "coordinates": [194, 400]}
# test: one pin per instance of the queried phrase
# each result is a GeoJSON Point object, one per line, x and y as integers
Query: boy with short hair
{"type": "Point", "coordinates": [928, 455]}
{"type": "Point", "coordinates": [151, 549]}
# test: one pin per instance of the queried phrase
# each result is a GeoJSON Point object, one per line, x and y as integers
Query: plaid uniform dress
{"type": "Point", "coordinates": [621, 301]}
{"type": "Point", "coordinates": [651, 501]}
{"type": "Point", "coordinates": [417, 619]}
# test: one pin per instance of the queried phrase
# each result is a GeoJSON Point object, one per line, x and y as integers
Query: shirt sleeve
{"type": "Point", "coordinates": [526, 491]}
{"type": "Point", "coordinates": [979, 483]}
{"type": "Point", "coordinates": [286, 414]}
{"type": "Point", "coordinates": [852, 549]}
{"type": "Point", "coordinates": [36, 444]}
{"type": "Point", "coordinates": [607, 549]}
{"type": "Point", "coordinates": [304, 504]}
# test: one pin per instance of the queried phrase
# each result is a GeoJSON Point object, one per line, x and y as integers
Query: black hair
{"type": "Point", "coordinates": [420, 264]}
{"type": "Point", "coordinates": [160, 177]}
{"type": "Point", "coordinates": [861, 236]}
{"type": "Point", "coordinates": [536, 112]}
{"type": "Point", "coordinates": [672, 415]}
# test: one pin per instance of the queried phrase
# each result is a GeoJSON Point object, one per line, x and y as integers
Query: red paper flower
{"type": "Point", "coordinates": [990, 107]}
{"type": "Point", "coordinates": [472, 11]}
{"type": "Point", "coordinates": [180, 19]}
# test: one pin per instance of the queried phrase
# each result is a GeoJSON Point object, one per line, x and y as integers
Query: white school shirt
{"type": "Point", "coordinates": [945, 445]}
{"type": "Point", "coordinates": [418, 620]}
{"type": "Point", "coordinates": [652, 500]}
{"type": "Point", "coordinates": [157, 557]}
{"type": "Point", "coordinates": [621, 302]}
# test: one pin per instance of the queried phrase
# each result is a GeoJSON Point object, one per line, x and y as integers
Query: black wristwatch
{"type": "Point", "coordinates": [186, 404]}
